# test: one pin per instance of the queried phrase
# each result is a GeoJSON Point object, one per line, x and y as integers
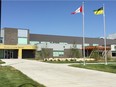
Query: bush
{"type": "Point", "coordinates": [51, 60]}
{"type": "Point", "coordinates": [108, 58]}
{"type": "Point", "coordinates": [45, 60]}
{"type": "Point", "coordinates": [59, 60]}
{"type": "Point", "coordinates": [71, 60]}
{"type": "Point", "coordinates": [95, 55]}
{"type": "Point", "coordinates": [66, 59]}
{"type": "Point", "coordinates": [74, 59]}
{"type": "Point", "coordinates": [54, 60]}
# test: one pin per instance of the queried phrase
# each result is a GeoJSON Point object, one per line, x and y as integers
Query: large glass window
{"type": "Point", "coordinates": [2, 36]}
{"type": "Point", "coordinates": [34, 42]}
{"type": "Point", "coordinates": [1, 54]}
{"type": "Point", "coordinates": [22, 40]}
{"type": "Point", "coordinates": [58, 53]}
{"type": "Point", "coordinates": [113, 53]}
{"type": "Point", "coordinates": [95, 44]}
{"type": "Point", "coordinates": [79, 46]}
{"type": "Point", "coordinates": [1, 40]}
{"type": "Point", "coordinates": [86, 44]}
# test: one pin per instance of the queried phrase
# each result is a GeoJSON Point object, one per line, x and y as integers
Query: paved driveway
{"type": "Point", "coordinates": [61, 75]}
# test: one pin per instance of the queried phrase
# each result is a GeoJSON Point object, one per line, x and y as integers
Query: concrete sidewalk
{"type": "Point", "coordinates": [61, 75]}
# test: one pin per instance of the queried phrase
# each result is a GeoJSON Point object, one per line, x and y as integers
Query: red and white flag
{"type": "Point", "coordinates": [79, 10]}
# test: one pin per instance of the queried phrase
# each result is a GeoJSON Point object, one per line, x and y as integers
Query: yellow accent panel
{"type": "Point", "coordinates": [20, 54]}
{"type": "Point", "coordinates": [17, 46]}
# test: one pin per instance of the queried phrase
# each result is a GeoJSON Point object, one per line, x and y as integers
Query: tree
{"type": "Point", "coordinates": [115, 48]}
{"type": "Point", "coordinates": [74, 52]}
{"type": "Point", "coordinates": [45, 53]}
{"type": "Point", "coordinates": [38, 54]}
{"type": "Point", "coordinates": [95, 54]}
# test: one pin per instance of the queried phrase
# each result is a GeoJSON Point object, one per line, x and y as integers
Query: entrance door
{"type": "Point", "coordinates": [10, 54]}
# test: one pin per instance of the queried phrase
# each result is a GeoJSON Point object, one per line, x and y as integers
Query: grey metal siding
{"type": "Point", "coordinates": [69, 39]}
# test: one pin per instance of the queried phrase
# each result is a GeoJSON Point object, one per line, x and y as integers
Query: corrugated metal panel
{"type": "Point", "coordinates": [69, 39]}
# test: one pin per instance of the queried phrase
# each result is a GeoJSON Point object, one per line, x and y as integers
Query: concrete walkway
{"type": "Point", "coordinates": [61, 75]}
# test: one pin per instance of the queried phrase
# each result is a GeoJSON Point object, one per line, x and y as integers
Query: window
{"type": "Point", "coordinates": [1, 40]}
{"type": "Point", "coordinates": [34, 42]}
{"type": "Point", "coordinates": [86, 44]}
{"type": "Point", "coordinates": [113, 53]}
{"type": "Point", "coordinates": [22, 40]}
{"type": "Point", "coordinates": [63, 43]}
{"type": "Point", "coordinates": [58, 54]}
{"type": "Point", "coordinates": [79, 46]}
{"type": "Point", "coordinates": [95, 44]}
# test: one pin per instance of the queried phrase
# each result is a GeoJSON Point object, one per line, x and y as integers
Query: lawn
{"type": "Point", "coordinates": [10, 77]}
{"type": "Point", "coordinates": [100, 67]}
{"type": "Point", "coordinates": [1, 62]}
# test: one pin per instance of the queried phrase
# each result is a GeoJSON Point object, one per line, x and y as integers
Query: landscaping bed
{"type": "Point", "coordinates": [67, 60]}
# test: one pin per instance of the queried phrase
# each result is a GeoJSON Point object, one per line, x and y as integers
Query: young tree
{"type": "Point", "coordinates": [38, 54]}
{"type": "Point", "coordinates": [115, 48]}
{"type": "Point", "coordinates": [74, 52]}
{"type": "Point", "coordinates": [45, 53]}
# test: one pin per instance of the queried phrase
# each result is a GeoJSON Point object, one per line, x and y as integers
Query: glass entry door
{"type": "Point", "coordinates": [8, 54]}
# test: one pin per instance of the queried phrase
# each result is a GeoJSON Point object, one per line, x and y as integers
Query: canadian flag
{"type": "Point", "coordinates": [79, 10]}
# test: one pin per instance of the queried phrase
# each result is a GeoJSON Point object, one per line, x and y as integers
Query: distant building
{"type": "Point", "coordinates": [20, 43]}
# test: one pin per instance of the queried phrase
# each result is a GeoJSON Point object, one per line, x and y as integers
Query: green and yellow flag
{"type": "Point", "coordinates": [99, 11]}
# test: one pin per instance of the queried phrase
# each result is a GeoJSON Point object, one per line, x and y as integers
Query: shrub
{"type": "Point", "coordinates": [51, 60]}
{"type": "Point", "coordinates": [74, 59]}
{"type": "Point", "coordinates": [54, 60]}
{"type": "Point", "coordinates": [45, 60]}
{"type": "Point", "coordinates": [66, 59]}
{"type": "Point", "coordinates": [59, 60]}
{"type": "Point", "coordinates": [71, 60]}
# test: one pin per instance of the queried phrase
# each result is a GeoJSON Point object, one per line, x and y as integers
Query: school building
{"type": "Point", "coordinates": [20, 43]}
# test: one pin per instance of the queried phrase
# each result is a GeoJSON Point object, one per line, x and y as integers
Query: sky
{"type": "Point", "coordinates": [53, 17]}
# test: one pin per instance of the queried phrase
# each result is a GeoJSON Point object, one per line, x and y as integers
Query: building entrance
{"type": "Point", "coordinates": [10, 54]}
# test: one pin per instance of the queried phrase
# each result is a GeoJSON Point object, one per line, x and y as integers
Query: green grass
{"type": "Point", "coordinates": [1, 62]}
{"type": "Point", "coordinates": [10, 77]}
{"type": "Point", "coordinates": [61, 62]}
{"type": "Point", "coordinates": [100, 67]}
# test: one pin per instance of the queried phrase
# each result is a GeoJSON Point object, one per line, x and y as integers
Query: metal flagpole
{"type": "Point", "coordinates": [83, 35]}
{"type": "Point", "coordinates": [104, 34]}
{"type": "Point", "coordinates": [0, 18]}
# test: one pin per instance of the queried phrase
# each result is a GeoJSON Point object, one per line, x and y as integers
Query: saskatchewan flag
{"type": "Point", "coordinates": [98, 11]}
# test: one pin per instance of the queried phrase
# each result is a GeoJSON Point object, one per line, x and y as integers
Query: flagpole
{"type": "Point", "coordinates": [104, 34]}
{"type": "Point", "coordinates": [83, 35]}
